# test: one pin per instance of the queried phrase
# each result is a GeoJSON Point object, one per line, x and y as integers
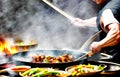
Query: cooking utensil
{"type": "Point", "coordinates": [90, 40]}
{"type": "Point", "coordinates": [24, 58]}
{"type": "Point", "coordinates": [59, 10]}
{"type": "Point", "coordinates": [105, 57]}
{"type": "Point", "coordinates": [88, 54]}
{"type": "Point", "coordinates": [113, 69]}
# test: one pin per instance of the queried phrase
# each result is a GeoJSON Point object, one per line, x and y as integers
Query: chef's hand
{"type": "Point", "coordinates": [95, 47]}
{"type": "Point", "coordinates": [99, 1]}
{"type": "Point", "coordinates": [77, 22]}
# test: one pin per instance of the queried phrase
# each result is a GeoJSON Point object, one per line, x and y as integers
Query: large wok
{"type": "Point", "coordinates": [23, 58]}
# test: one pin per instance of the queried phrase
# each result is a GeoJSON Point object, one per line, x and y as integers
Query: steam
{"type": "Point", "coordinates": [3, 58]}
{"type": "Point", "coordinates": [33, 19]}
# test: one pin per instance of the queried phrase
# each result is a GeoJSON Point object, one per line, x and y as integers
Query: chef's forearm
{"type": "Point", "coordinates": [113, 36]}
{"type": "Point", "coordinates": [90, 21]}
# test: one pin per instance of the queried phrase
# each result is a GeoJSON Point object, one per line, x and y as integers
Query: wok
{"type": "Point", "coordinates": [23, 58]}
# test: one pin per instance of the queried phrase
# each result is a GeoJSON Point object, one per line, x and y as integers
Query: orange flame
{"type": "Point", "coordinates": [6, 47]}
{"type": "Point", "coordinates": [9, 49]}
{"type": "Point", "coordinates": [1, 46]}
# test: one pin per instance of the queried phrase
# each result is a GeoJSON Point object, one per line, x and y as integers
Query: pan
{"type": "Point", "coordinates": [111, 69]}
{"type": "Point", "coordinates": [24, 58]}
{"type": "Point", "coordinates": [85, 69]}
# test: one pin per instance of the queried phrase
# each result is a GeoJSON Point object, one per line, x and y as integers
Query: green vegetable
{"type": "Point", "coordinates": [33, 71]}
{"type": "Point", "coordinates": [30, 72]}
{"type": "Point", "coordinates": [54, 73]}
{"type": "Point", "coordinates": [40, 74]}
{"type": "Point", "coordinates": [100, 67]}
{"type": "Point", "coordinates": [74, 73]}
{"type": "Point", "coordinates": [25, 73]}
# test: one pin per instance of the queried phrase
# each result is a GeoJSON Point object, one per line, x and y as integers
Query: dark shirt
{"type": "Point", "coordinates": [114, 5]}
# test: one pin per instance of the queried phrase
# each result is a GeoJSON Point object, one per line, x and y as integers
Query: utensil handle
{"type": "Point", "coordinates": [89, 41]}
{"type": "Point", "coordinates": [59, 10]}
{"type": "Point", "coordinates": [90, 53]}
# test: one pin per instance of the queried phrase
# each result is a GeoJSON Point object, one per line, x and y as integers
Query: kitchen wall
{"type": "Point", "coordinates": [33, 19]}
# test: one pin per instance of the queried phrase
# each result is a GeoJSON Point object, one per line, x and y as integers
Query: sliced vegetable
{"type": "Point", "coordinates": [82, 69]}
{"type": "Point", "coordinates": [43, 72]}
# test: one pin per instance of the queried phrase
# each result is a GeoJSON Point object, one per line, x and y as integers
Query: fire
{"type": "Point", "coordinates": [9, 47]}
{"type": "Point", "coordinates": [6, 47]}
{"type": "Point", "coordinates": [1, 46]}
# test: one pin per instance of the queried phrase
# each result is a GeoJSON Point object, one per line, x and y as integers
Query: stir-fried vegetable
{"type": "Point", "coordinates": [42, 72]}
{"type": "Point", "coordinates": [84, 69]}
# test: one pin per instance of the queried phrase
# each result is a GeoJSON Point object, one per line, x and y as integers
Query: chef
{"type": "Point", "coordinates": [108, 20]}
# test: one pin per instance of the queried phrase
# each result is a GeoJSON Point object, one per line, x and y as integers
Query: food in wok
{"type": "Point", "coordinates": [44, 72]}
{"type": "Point", "coordinates": [84, 69]}
{"type": "Point", "coordinates": [52, 59]}
{"type": "Point", "coordinates": [21, 42]}
{"type": "Point", "coordinates": [26, 58]}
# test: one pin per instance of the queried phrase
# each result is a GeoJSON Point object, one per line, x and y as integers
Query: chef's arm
{"type": "Point", "coordinates": [91, 22]}
{"type": "Point", "coordinates": [110, 25]}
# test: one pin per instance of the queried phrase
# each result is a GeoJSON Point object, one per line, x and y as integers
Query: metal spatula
{"type": "Point", "coordinates": [90, 53]}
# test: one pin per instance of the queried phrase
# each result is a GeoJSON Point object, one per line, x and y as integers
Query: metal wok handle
{"type": "Point", "coordinates": [88, 54]}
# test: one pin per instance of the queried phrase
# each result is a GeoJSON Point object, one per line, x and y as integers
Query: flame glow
{"type": "Point", "coordinates": [10, 48]}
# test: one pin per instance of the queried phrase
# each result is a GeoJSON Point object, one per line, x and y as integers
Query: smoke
{"type": "Point", "coordinates": [3, 58]}
{"type": "Point", "coordinates": [33, 19]}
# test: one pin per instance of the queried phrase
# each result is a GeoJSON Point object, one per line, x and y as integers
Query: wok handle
{"type": "Point", "coordinates": [90, 53]}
